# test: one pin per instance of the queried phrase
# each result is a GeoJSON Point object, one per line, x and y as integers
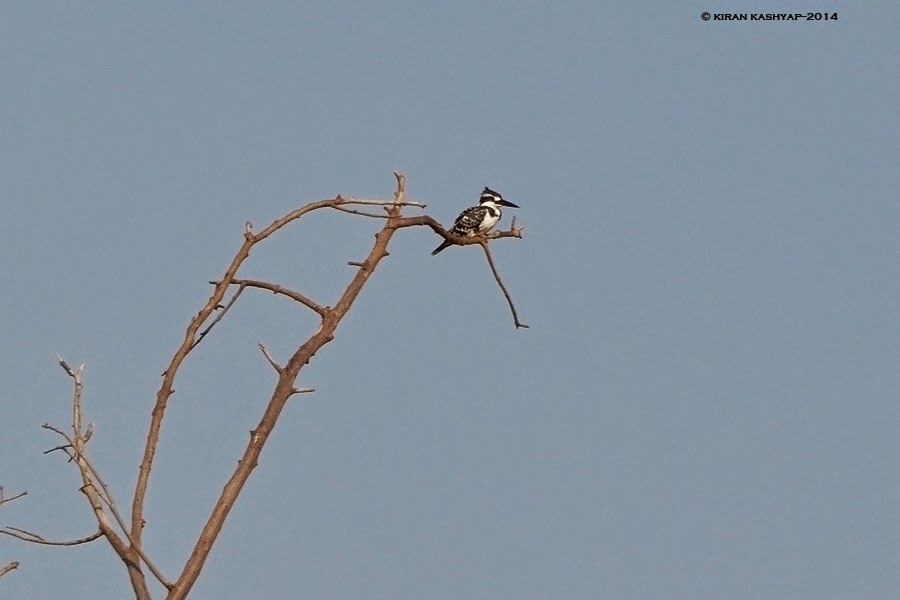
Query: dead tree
{"type": "Point", "coordinates": [124, 532]}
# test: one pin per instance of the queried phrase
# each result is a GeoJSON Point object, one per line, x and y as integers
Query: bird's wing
{"type": "Point", "coordinates": [469, 219]}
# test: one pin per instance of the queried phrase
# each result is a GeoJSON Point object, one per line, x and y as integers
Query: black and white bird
{"type": "Point", "coordinates": [477, 220]}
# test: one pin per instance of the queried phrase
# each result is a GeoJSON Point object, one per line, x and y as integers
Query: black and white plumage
{"type": "Point", "coordinates": [479, 219]}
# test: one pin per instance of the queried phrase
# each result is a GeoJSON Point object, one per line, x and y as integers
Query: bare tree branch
{"type": "Point", "coordinates": [512, 308]}
{"type": "Point", "coordinates": [277, 289]}
{"type": "Point", "coordinates": [166, 388]}
{"type": "Point", "coordinates": [284, 389]}
{"type": "Point", "coordinates": [34, 538]}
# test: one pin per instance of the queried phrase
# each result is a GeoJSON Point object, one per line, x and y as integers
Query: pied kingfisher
{"type": "Point", "coordinates": [477, 220]}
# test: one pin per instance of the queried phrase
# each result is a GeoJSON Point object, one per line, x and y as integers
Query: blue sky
{"type": "Point", "coordinates": [705, 406]}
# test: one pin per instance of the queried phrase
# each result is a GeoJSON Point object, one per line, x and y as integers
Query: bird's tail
{"type": "Point", "coordinates": [445, 244]}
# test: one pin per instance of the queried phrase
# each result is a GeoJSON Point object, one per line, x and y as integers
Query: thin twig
{"type": "Point", "coordinates": [4, 499]}
{"type": "Point", "coordinates": [62, 447]}
{"type": "Point", "coordinates": [277, 289]}
{"type": "Point", "coordinates": [219, 316]}
{"type": "Point", "coordinates": [28, 536]}
{"type": "Point", "coordinates": [353, 211]}
{"type": "Point", "coordinates": [278, 368]}
{"type": "Point", "coordinates": [61, 433]}
{"type": "Point", "coordinates": [487, 253]}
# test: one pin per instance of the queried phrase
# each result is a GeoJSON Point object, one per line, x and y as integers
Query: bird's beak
{"type": "Point", "coordinates": [505, 203]}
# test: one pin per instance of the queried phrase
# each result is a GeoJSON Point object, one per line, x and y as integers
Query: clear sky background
{"type": "Point", "coordinates": [705, 406]}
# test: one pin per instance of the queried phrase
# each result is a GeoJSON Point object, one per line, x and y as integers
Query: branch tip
{"type": "Point", "coordinates": [271, 360]}
{"type": "Point", "coordinates": [62, 363]}
{"type": "Point", "coordinates": [10, 567]}
{"type": "Point", "coordinates": [401, 187]}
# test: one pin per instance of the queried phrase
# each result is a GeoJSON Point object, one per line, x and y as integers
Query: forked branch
{"type": "Point", "coordinates": [284, 390]}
